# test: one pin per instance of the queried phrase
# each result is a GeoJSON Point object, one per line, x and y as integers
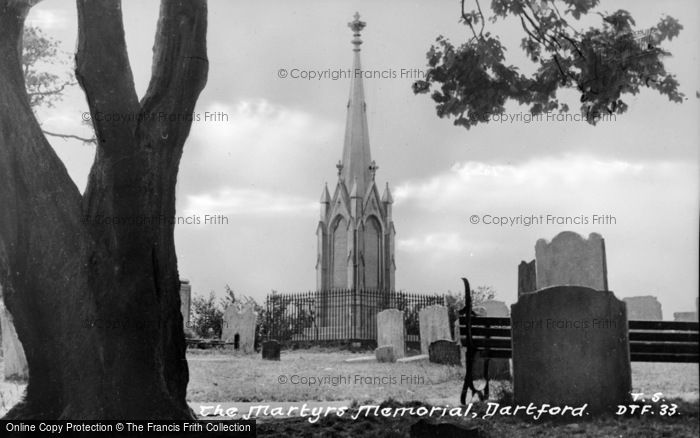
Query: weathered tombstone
{"type": "Point", "coordinates": [185, 298]}
{"type": "Point", "coordinates": [239, 328]}
{"type": "Point", "coordinates": [527, 277]}
{"type": "Point", "coordinates": [570, 347]}
{"type": "Point", "coordinates": [457, 332]}
{"type": "Point", "coordinates": [444, 352]}
{"type": "Point", "coordinates": [685, 316]}
{"type": "Point", "coordinates": [271, 350]}
{"type": "Point", "coordinates": [569, 259]}
{"type": "Point", "coordinates": [13, 354]}
{"type": "Point", "coordinates": [385, 353]}
{"type": "Point", "coordinates": [434, 325]}
{"type": "Point", "coordinates": [390, 331]}
{"type": "Point", "coordinates": [499, 369]}
{"type": "Point", "coordinates": [495, 308]}
{"type": "Point", "coordinates": [646, 308]}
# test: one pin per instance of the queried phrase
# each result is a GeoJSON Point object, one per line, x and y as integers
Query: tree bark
{"type": "Point", "coordinates": [96, 302]}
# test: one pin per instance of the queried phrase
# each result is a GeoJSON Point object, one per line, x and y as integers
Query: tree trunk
{"type": "Point", "coordinates": [91, 280]}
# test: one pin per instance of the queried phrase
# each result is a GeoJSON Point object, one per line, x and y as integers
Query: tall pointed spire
{"type": "Point", "coordinates": [356, 154]}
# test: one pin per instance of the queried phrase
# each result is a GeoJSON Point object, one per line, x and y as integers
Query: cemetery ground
{"type": "Point", "coordinates": [218, 376]}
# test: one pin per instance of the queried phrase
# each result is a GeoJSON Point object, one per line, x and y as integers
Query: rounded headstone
{"type": "Point", "coordinates": [434, 325]}
{"type": "Point", "coordinates": [571, 347]}
{"type": "Point", "coordinates": [570, 259]}
{"type": "Point", "coordinates": [646, 308]}
{"type": "Point", "coordinates": [445, 352]}
{"type": "Point", "coordinates": [385, 353]}
{"type": "Point", "coordinates": [390, 330]}
{"type": "Point", "coordinates": [271, 350]}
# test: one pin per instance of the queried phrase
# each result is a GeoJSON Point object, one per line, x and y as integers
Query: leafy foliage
{"type": "Point", "coordinates": [472, 81]}
{"type": "Point", "coordinates": [207, 317]}
{"type": "Point", "coordinates": [455, 301]}
{"type": "Point", "coordinates": [39, 52]}
{"type": "Point", "coordinates": [208, 313]}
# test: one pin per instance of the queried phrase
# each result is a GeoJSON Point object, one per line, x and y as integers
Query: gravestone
{"type": "Point", "coordinates": [434, 325]}
{"type": "Point", "coordinates": [527, 277]}
{"type": "Point", "coordinates": [569, 259]}
{"type": "Point", "coordinates": [646, 308]}
{"type": "Point", "coordinates": [385, 353]}
{"type": "Point", "coordinates": [12, 351]}
{"type": "Point", "coordinates": [457, 332]}
{"type": "Point", "coordinates": [444, 352]}
{"type": "Point", "coordinates": [271, 350]}
{"type": "Point", "coordinates": [499, 369]}
{"type": "Point", "coordinates": [390, 331]}
{"type": "Point", "coordinates": [239, 328]}
{"type": "Point", "coordinates": [685, 316]}
{"type": "Point", "coordinates": [571, 347]}
{"type": "Point", "coordinates": [185, 299]}
{"type": "Point", "coordinates": [495, 308]}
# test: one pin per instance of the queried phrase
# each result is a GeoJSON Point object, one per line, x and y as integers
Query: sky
{"type": "Point", "coordinates": [263, 166]}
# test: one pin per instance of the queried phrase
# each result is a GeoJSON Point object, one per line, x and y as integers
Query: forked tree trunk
{"type": "Point", "coordinates": [96, 304]}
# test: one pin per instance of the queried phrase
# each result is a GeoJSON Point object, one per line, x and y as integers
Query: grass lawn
{"type": "Point", "coordinates": [217, 376]}
{"type": "Point", "coordinates": [221, 376]}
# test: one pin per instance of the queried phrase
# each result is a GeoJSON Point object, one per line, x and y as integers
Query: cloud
{"type": "Point", "coordinates": [245, 201]}
{"type": "Point", "coordinates": [556, 182]}
{"type": "Point", "coordinates": [46, 19]}
{"type": "Point", "coordinates": [444, 242]}
{"type": "Point", "coordinates": [261, 144]}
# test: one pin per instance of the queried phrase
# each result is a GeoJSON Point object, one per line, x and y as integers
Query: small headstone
{"type": "Point", "coordinates": [646, 308]}
{"type": "Point", "coordinates": [239, 328]}
{"type": "Point", "coordinates": [495, 308]}
{"type": "Point", "coordinates": [434, 326]}
{"type": "Point", "coordinates": [12, 351]}
{"type": "Point", "coordinates": [685, 316]}
{"type": "Point", "coordinates": [571, 347]}
{"type": "Point", "coordinates": [385, 353]}
{"type": "Point", "coordinates": [569, 259]}
{"type": "Point", "coordinates": [458, 333]}
{"type": "Point", "coordinates": [445, 352]}
{"type": "Point", "coordinates": [527, 277]}
{"type": "Point", "coordinates": [185, 298]}
{"type": "Point", "coordinates": [271, 350]}
{"type": "Point", "coordinates": [390, 331]}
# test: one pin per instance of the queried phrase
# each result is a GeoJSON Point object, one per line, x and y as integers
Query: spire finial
{"type": "Point", "coordinates": [339, 166]}
{"type": "Point", "coordinates": [373, 169]}
{"type": "Point", "coordinates": [356, 25]}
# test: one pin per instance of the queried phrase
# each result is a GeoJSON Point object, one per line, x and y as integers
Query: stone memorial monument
{"type": "Point", "coordinates": [434, 325]}
{"type": "Point", "coordinates": [646, 308]}
{"type": "Point", "coordinates": [239, 328]}
{"type": "Point", "coordinates": [569, 259]}
{"type": "Point", "coordinates": [571, 347]}
{"type": "Point", "coordinates": [390, 331]}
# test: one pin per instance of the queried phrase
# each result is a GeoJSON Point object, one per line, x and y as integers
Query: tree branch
{"type": "Point", "coordinates": [180, 68]}
{"type": "Point", "coordinates": [70, 136]}
{"type": "Point", "coordinates": [103, 70]}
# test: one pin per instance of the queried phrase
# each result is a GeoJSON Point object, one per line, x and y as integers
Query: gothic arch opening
{"type": "Point", "coordinates": [339, 271]}
{"type": "Point", "coordinates": [372, 253]}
